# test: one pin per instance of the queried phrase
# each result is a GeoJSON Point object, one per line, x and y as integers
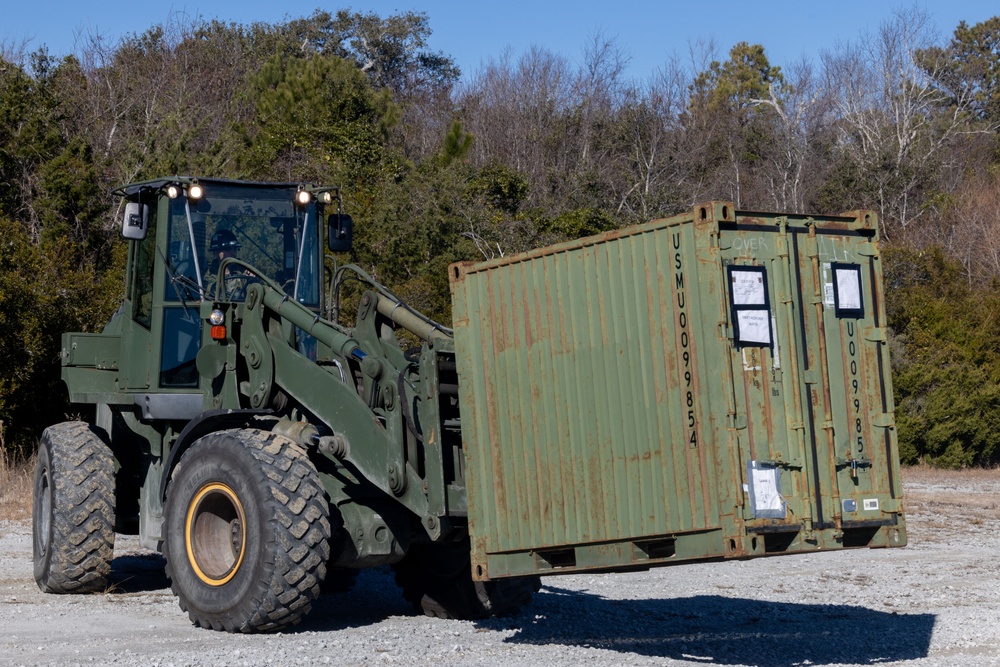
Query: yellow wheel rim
{"type": "Point", "coordinates": [215, 534]}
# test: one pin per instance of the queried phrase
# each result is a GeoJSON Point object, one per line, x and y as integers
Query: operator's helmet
{"type": "Point", "coordinates": [223, 239]}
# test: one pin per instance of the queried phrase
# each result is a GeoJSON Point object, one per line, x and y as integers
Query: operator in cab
{"type": "Point", "coordinates": [223, 246]}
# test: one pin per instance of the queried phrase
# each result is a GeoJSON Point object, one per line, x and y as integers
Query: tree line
{"type": "Point", "coordinates": [529, 149]}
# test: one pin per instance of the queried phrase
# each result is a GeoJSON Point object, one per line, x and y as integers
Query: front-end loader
{"type": "Point", "coordinates": [709, 386]}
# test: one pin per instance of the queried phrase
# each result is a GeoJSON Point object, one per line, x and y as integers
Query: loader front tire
{"type": "Point", "coordinates": [247, 532]}
{"type": "Point", "coordinates": [73, 510]}
{"type": "Point", "coordinates": [437, 580]}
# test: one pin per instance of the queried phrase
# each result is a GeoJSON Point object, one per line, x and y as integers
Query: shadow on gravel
{"type": "Point", "coordinates": [721, 630]}
{"type": "Point", "coordinates": [373, 598]}
{"type": "Point", "coordinates": [141, 573]}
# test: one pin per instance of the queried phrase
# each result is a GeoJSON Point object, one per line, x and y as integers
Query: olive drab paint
{"type": "Point", "coordinates": [711, 385]}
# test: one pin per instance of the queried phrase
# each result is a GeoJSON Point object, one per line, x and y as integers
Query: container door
{"type": "Point", "coordinates": [813, 413]}
{"type": "Point", "coordinates": [767, 397]}
{"type": "Point", "coordinates": [847, 370]}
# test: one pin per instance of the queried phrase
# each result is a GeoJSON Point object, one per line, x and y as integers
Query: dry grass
{"type": "Point", "coordinates": [15, 484]}
{"type": "Point", "coordinates": [942, 503]}
{"type": "Point", "coordinates": [15, 488]}
{"type": "Point", "coordinates": [974, 488]}
{"type": "Point", "coordinates": [926, 475]}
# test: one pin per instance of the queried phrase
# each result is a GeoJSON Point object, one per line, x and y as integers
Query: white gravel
{"type": "Point", "coordinates": [933, 603]}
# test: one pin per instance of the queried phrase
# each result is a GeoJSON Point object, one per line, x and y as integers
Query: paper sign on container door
{"type": "Point", "coordinates": [748, 288]}
{"type": "Point", "coordinates": [753, 327]}
{"type": "Point", "coordinates": [748, 300]}
{"type": "Point", "coordinates": [848, 289]}
{"type": "Point", "coordinates": [764, 487]}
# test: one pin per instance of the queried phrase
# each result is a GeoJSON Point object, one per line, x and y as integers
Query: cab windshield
{"type": "Point", "coordinates": [248, 232]}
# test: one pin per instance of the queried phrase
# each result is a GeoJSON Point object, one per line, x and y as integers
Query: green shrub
{"type": "Point", "coordinates": [945, 360]}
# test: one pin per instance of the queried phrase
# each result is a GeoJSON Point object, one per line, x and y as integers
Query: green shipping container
{"type": "Point", "coordinates": [711, 385]}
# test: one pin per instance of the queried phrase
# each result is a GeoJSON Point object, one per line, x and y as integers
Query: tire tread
{"type": "Point", "coordinates": [302, 542]}
{"type": "Point", "coordinates": [81, 472]}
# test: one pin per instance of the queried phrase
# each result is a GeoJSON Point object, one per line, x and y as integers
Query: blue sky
{"type": "Point", "coordinates": [473, 31]}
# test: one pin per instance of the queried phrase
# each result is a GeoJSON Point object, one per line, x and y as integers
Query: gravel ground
{"type": "Point", "coordinates": [933, 603]}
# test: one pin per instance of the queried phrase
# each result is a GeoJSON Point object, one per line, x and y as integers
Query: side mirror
{"type": "Point", "coordinates": [135, 221]}
{"type": "Point", "coordinates": [340, 232]}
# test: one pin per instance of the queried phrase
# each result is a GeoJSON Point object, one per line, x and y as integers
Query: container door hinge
{"type": "Point", "coordinates": [875, 334]}
{"type": "Point", "coordinates": [884, 420]}
{"type": "Point", "coordinates": [867, 249]}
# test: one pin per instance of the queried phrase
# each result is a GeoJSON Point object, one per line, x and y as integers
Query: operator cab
{"type": "Point", "coordinates": [208, 240]}
{"type": "Point", "coordinates": [221, 234]}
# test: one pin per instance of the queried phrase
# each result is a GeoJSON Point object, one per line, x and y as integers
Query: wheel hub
{"type": "Point", "coordinates": [214, 534]}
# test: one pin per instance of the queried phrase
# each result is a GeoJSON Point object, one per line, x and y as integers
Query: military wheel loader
{"type": "Point", "coordinates": [708, 386]}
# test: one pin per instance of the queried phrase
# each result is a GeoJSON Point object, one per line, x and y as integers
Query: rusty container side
{"type": "Point", "coordinates": [579, 377]}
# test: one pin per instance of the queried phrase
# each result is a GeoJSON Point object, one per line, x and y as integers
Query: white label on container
{"type": "Point", "coordinates": [776, 357]}
{"type": "Point", "coordinates": [754, 326]}
{"type": "Point", "coordinates": [828, 294]}
{"type": "Point", "coordinates": [764, 484]}
{"type": "Point", "coordinates": [748, 288]}
{"type": "Point", "coordinates": [848, 289]}
{"type": "Point", "coordinates": [870, 504]}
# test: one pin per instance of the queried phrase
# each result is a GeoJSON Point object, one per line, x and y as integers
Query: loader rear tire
{"type": "Point", "coordinates": [247, 532]}
{"type": "Point", "coordinates": [73, 510]}
{"type": "Point", "coordinates": [437, 580]}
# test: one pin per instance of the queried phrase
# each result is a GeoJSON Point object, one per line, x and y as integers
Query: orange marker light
{"type": "Point", "coordinates": [218, 332]}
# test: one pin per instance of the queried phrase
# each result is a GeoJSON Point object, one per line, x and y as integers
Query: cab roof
{"type": "Point", "coordinates": [130, 190]}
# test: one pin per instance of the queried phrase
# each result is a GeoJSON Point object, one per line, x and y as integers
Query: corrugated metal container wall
{"type": "Point", "coordinates": [655, 394]}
